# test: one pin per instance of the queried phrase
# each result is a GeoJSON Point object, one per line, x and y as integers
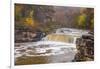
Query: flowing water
{"type": "Point", "coordinates": [46, 52]}
{"type": "Point", "coordinates": [26, 53]}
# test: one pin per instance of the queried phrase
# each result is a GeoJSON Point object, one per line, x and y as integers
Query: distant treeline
{"type": "Point", "coordinates": [44, 18]}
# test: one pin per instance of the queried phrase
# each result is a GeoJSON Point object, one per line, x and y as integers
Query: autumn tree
{"type": "Point", "coordinates": [31, 16]}
{"type": "Point", "coordinates": [86, 18]}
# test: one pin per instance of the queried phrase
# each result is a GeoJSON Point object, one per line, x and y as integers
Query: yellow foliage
{"type": "Point", "coordinates": [82, 19]}
{"type": "Point", "coordinates": [29, 22]}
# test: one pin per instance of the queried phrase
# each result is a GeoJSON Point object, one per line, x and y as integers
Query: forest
{"type": "Point", "coordinates": [47, 18]}
{"type": "Point", "coordinates": [32, 20]}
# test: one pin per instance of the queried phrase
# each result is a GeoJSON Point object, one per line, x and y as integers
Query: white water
{"type": "Point", "coordinates": [65, 51]}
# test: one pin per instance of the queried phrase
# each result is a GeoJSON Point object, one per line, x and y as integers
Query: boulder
{"type": "Point", "coordinates": [85, 47]}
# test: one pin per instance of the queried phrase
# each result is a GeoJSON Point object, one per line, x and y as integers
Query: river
{"type": "Point", "coordinates": [25, 53]}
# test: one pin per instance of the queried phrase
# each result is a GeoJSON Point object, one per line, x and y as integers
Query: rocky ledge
{"type": "Point", "coordinates": [85, 47]}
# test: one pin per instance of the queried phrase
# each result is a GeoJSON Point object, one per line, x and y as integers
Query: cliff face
{"type": "Point", "coordinates": [85, 46]}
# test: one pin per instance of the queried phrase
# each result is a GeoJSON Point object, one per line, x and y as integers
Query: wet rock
{"type": "Point", "coordinates": [85, 47]}
{"type": "Point", "coordinates": [28, 36]}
